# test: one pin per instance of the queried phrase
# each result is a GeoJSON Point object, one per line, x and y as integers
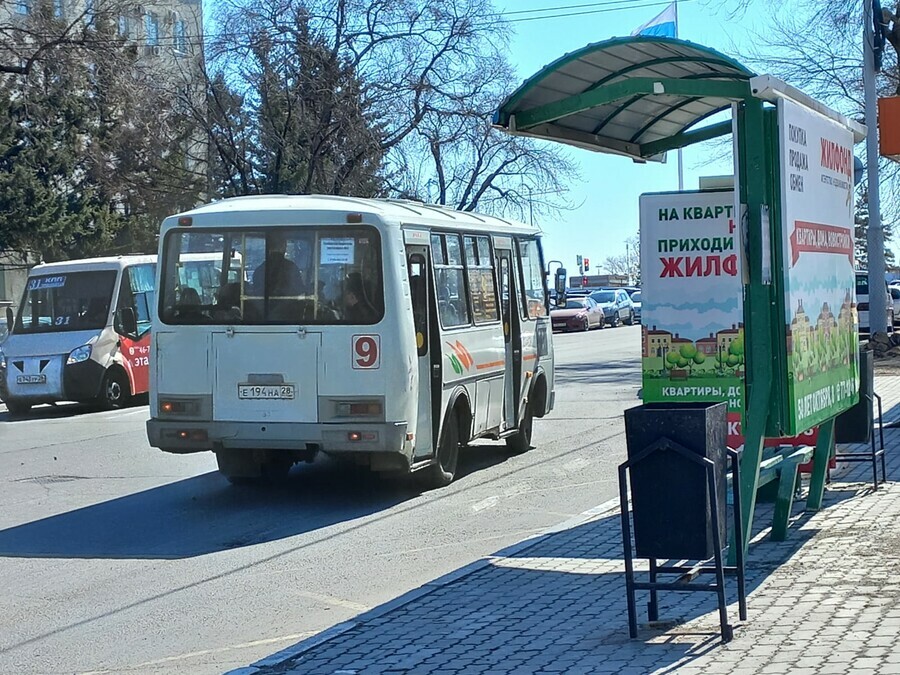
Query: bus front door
{"type": "Point", "coordinates": [424, 322]}
{"type": "Point", "coordinates": [512, 338]}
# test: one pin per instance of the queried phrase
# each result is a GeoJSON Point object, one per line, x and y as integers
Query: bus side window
{"type": "Point", "coordinates": [138, 293]}
{"type": "Point", "coordinates": [534, 295]}
{"type": "Point", "coordinates": [449, 277]}
{"type": "Point", "coordinates": [418, 284]}
{"type": "Point", "coordinates": [504, 296]}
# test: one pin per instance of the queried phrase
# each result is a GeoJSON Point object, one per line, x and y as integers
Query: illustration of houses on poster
{"type": "Point", "coordinates": [818, 266]}
{"type": "Point", "coordinates": [693, 335]}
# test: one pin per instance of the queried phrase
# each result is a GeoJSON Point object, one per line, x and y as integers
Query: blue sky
{"type": "Point", "coordinates": [608, 194]}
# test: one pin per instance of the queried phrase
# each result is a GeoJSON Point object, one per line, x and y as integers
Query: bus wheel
{"type": "Point", "coordinates": [275, 470]}
{"type": "Point", "coordinates": [442, 472]}
{"type": "Point", "coordinates": [238, 466]}
{"type": "Point", "coordinates": [521, 441]}
{"type": "Point", "coordinates": [17, 407]}
{"type": "Point", "coordinates": [115, 391]}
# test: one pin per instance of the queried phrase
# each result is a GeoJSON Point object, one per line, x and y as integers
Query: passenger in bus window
{"type": "Point", "coordinates": [356, 308]}
{"type": "Point", "coordinates": [277, 275]}
{"type": "Point", "coordinates": [228, 304]}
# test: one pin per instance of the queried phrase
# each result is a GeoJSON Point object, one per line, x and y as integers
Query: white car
{"type": "Point", "coordinates": [862, 303]}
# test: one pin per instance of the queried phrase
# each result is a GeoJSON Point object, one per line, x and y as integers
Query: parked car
{"type": "Point", "coordinates": [862, 303]}
{"type": "Point", "coordinates": [616, 305]}
{"type": "Point", "coordinates": [636, 303]}
{"type": "Point", "coordinates": [894, 290]}
{"type": "Point", "coordinates": [578, 314]}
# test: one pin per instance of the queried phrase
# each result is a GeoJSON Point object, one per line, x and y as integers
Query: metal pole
{"type": "Point", "coordinates": [530, 206]}
{"type": "Point", "coordinates": [680, 158]}
{"type": "Point", "coordinates": [874, 233]}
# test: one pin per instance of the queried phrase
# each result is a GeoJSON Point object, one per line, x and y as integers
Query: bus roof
{"type": "Point", "coordinates": [89, 264]}
{"type": "Point", "coordinates": [397, 211]}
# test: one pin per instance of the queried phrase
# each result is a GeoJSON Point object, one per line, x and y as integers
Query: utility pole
{"type": "Point", "coordinates": [874, 233]}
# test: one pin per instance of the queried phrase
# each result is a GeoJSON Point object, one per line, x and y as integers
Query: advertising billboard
{"type": "Point", "coordinates": [817, 254]}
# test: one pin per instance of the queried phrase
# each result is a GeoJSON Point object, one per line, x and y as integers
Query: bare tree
{"type": "Point", "coordinates": [817, 46]}
{"type": "Point", "coordinates": [629, 262]}
{"type": "Point", "coordinates": [410, 118]}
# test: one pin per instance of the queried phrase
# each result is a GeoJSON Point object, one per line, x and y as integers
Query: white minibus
{"type": "Point", "coordinates": [81, 333]}
{"type": "Point", "coordinates": [391, 332]}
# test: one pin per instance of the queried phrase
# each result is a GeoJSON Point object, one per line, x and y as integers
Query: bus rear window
{"type": "Point", "coordinates": [282, 276]}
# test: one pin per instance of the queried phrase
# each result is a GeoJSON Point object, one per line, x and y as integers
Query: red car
{"type": "Point", "coordinates": [578, 314]}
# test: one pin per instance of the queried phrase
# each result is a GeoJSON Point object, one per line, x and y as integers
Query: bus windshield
{"type": "Point", "coordinates": [66, 302]}
{"type": "Point", "coordinates": [284, 276]}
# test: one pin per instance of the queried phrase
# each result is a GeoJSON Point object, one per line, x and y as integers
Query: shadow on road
{"type": "Point", "coordinates": [591, 372]}
{"type": "Point", "coordinates": [205, 514]}
{"type": "Point", "coordinates": [64, 410]}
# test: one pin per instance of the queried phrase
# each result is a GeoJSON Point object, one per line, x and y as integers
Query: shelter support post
{"type": "Point", "coordinates": [753, 170]}
{"type": "Point", "coordinates": [824, 446]}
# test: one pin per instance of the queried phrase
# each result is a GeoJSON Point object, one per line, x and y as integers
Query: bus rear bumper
{"type": "Point", "coordinates": [188, 436]}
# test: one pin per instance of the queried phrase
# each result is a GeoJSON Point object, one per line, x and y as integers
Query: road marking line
{"type": "Point", "coordinates": [205, 652]}
{"type": "Point", "coordinates": [331, 600]}
{"type": "Point", "coordinates": [488, 503]}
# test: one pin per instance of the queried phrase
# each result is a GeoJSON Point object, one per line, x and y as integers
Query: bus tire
{"type": "Point", "coordinates": [17, 407]}
{"type": "Point", "coordinates": [275, 470]}
{"type": "Point", "coordinates": [115, 391]}
{"type": "Point", "coordinates": [443, 471]}
{"type": "Point", "coordinates": [238, 466]}
{"type": "Point", "coordinates": [521, 441]}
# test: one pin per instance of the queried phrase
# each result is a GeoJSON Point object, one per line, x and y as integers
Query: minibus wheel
{"type": "Point", "coordinates": [442, 472]}
{"type": "Point", "coordinates": [17, 407]}
{"type": "Point", "coordinates": [115, 391]}
{"type": "Point", "coordinates": [521, 441]}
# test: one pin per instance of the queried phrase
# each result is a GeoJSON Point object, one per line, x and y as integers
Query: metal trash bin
{"type": "Point", "coordinates": [855, 425]}
{"type": "Point", "coordinates": [676, 460]}
{"type": "Point", "coordinates": [670, 504]}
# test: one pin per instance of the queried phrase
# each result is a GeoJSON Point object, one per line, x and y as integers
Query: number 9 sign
{"type": "Point", "coordinates": [366, 352]}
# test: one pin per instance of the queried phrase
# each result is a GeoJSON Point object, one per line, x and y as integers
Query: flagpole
{"type": "Point", "coordinates": [680, 158]}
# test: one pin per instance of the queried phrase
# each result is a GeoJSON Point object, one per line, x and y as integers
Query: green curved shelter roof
{"type": "Point", "coordinates": [626, 96]}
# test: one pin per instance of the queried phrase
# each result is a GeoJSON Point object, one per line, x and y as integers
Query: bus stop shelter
{"type": "Point", "coordinates": [640, 97]}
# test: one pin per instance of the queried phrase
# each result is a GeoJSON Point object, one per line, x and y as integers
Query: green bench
{"type": "Point", "coordinates": [778, 481]}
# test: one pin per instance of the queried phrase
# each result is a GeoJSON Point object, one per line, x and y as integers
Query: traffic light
{"type": "Point", "coordinates": [587, 264]}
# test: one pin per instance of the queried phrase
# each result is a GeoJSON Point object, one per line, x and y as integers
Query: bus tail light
{"type": "Point", "coordinates": [360, 409]}
{"type": "Point", "coordinates": [356, 436]}
{"type": "Point", "coordinates": [186, 435]}
{"type": "Point", "coordinates": [178, 407]}
{"type": "Point", "coordinates": [334, 409]}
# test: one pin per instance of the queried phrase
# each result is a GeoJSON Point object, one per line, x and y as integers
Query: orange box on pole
{"type": "Point", "coordinates": [889, 126]}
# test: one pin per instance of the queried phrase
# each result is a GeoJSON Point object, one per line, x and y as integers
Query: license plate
{"type": "Point", "coordinates": [31, 379]}
{"type": "Point", "coordinates": [266, 391]}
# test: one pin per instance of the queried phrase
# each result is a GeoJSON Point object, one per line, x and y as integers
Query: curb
{"type": "Point", "coordinates": [310, 643]}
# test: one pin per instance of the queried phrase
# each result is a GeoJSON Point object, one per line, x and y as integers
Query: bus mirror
{"type": "Point", "coordinates": [126, 322]}
{"type": "Point", "coordinates": [10, 319]}
{"type": "Point", "coordinates": [561, 283]}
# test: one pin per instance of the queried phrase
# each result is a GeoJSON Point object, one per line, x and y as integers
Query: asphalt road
{"type": "Point", "coordinates": [115, 557]}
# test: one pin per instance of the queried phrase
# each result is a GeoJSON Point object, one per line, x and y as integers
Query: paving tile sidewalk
{"type": "Point", "coordinates": [827, 600]}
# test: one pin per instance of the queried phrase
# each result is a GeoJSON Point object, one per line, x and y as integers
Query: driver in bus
{"type": "Point", "coordinates": [277, 275]}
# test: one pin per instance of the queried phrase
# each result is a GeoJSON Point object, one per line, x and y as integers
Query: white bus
{"type": "Point", "coordinates": [390, 332]}
{"type": "Point", "coordinates": [81, 333]}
